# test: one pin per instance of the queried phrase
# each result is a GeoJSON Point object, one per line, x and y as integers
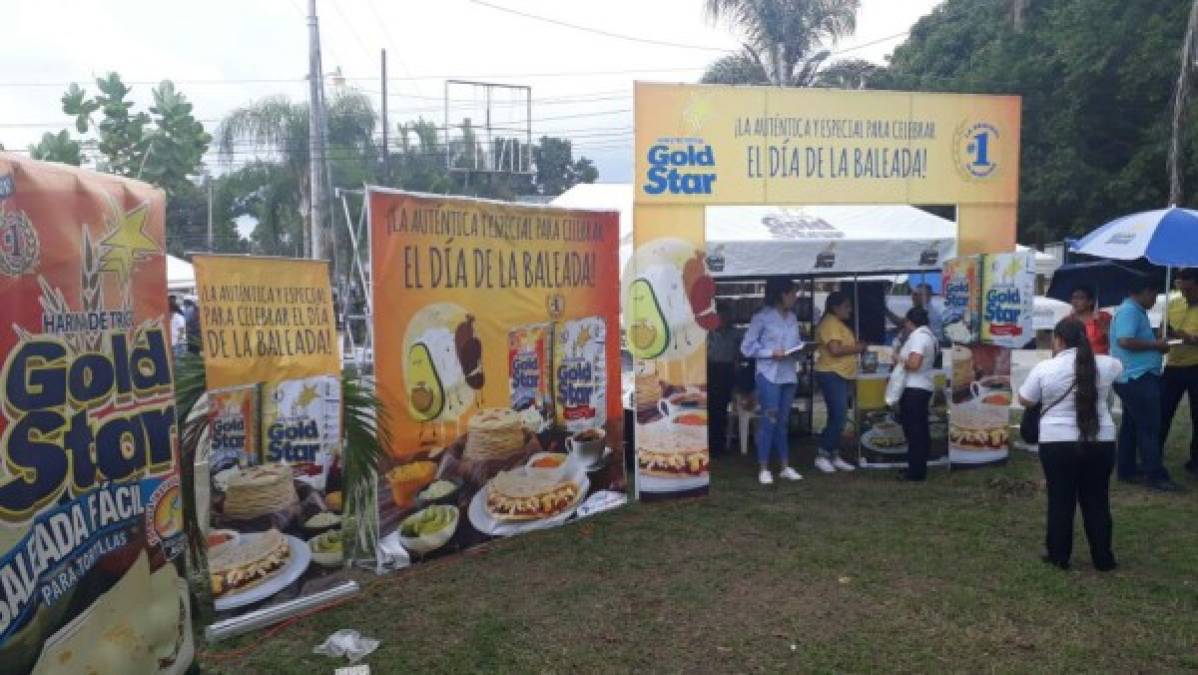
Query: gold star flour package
{"type": "Point", "coordinates": [529, 369]}
{"type": "Point", "coordinates": [497, 344]}
{"type": "Point", "coordinates": [274, 479]}
{"type": "Point", "coordinates": [91, 517]}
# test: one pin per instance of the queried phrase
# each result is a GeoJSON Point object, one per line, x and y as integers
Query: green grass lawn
{"type": "Point", "coordinates": [841, 573]}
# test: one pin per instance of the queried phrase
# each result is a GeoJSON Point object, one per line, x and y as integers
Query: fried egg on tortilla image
{"type": "Point", "coordinates": [433, 377]}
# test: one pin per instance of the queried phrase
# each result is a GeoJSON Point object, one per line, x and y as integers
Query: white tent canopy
{"type": "Point", "coordinates": [846, 239]}
{"type": "Point", "coordinates": [180, 275]}
{"type": "Point", "coordinates": [1045, 264]}
{"type": "Point", "coordinates": [607, 197]}
{"type": "Point", "coordinates": [876, 228]}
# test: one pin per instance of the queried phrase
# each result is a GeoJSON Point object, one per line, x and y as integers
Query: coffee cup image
{"type": "Point", "coordinates": [587, 446]}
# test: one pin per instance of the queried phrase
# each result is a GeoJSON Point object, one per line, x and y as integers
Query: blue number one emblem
{"type": "Point", "coordinates": [981, 148]}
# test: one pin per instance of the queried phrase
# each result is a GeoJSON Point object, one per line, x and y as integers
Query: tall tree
{"type": "Point", "coordinates": [556, 168]}
{"type": "Point", "coordinates": [1096, 79]}
{"type": "Point", "coordinates": [59, 147]}
{"type": "Point", "coordinates": [278, 128]}
{"type": "Point", "coordinates": [736, 68]}
{"type": "Point", "coordinates": [788, 39]}
{"type": "Point", "coordinates": [163, 146]}
{"type": "Point", "coordinates": [848, 74]}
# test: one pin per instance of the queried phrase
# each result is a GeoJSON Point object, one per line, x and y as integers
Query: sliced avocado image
{"type": "Point", "coordinates": [649, 333]}
{"type": "Point", "coordinates": [426, 398]}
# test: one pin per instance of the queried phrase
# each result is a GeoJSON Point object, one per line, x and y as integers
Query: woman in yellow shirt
{"type": "Point", "coordinates": [835, 371]}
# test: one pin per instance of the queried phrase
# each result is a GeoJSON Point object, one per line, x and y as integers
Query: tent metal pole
{"type": "Point", "coordinates": [1165, 309]}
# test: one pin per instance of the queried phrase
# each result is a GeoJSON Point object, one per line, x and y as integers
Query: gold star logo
{"type": "Point", "coordinates": [307, 395]}
{"type": "Point", "coordinates": [126, 244]}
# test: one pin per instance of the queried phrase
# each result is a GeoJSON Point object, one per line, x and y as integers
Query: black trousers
{"type": "Point", "coordinates": [913, 415]}
{"type": "Point", "coordinates": [1079, 475]}
{"type": "Point", "coordinates": [1177, 382]}
{"type": "Point", "coordinates": [721, 380]}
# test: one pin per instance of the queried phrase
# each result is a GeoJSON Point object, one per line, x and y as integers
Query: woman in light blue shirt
{"type": "Point", "coordinates": [773, 333]}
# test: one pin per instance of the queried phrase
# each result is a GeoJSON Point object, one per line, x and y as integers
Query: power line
{"type": "Point", "coordinates": [597, 31]}
{"type": "Point", "coordinates": [303, 80]}
{"type": "Point", "coordinates": [352, 31]}
{"type": "Point", "coordinates": [390, 41]}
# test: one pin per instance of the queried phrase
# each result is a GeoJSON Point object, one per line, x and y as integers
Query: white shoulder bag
{"type": "Point", "coordinates": [896, 384]}
{"type": "Point", "coordinates": [898, 377]}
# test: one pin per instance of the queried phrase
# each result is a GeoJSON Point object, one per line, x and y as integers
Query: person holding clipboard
{"type": "Point", "coordinates": [773, 342]}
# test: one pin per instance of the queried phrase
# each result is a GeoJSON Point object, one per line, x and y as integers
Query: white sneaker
{"type": "Point", "coordinates": [790, 474]}
{"type": "Point", "coordinates": [824, 465]}
{"type": "Point", "coordinates": [843, 465]}
{"type": "Point", "coordinates": [765, 477]}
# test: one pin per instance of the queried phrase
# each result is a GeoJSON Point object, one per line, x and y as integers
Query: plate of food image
{"type": "Point", "coordinates": [526, 499]}
{"type": "Point", "coordinates": [255, 567]}
{"type": "Point", "coordinates": [885, 438]}
{"type": "Point", "coordinates": [671, 460]}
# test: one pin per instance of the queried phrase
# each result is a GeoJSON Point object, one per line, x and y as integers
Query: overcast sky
{"type": "Point", "coordinates": [226, 53]}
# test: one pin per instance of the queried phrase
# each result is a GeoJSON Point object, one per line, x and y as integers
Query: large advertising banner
{"type": "Point", "coordinates": [272, 363]}
{"type": "Point", "coordinates": [669, 305]}
{"type": "Point", "coordinates": [767, 145]}
{"type": "Point", "coordinates": [496, 329]}
{"type": "Point", "coordinates": [91, 517]}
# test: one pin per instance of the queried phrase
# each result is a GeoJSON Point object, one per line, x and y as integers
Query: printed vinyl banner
{"type": "Point", "coordinates": [91, 517]}
{"type": "Point", "coordinates": [669, 303]}
{"type": "Point", "coordinates": [496, 329]}
{"type": "Point", "coordinates": [265, 319]}
{"type": "Point", "coordinates": [1008, 299]}
{"type": "Point", "coordinates": [272, 361]}
{"type": "Point", "coordinates": [700, 144]}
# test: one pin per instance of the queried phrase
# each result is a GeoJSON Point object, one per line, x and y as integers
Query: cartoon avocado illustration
{"type": "Point", "coordinates": [427, 397]}
{"type": "Point", "coordinates": [649, 333]}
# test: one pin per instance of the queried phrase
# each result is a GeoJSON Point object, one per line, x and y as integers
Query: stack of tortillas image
{"type": "Point", "coordinates": [259, 491]}
{"type": "Point", "coordinates": [495, 433]}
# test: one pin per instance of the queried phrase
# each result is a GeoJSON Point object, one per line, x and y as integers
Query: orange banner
{"type": "Point", "coordinates": [91, 520]}
{"type": "Point", "coordinates": [265, 319]}
{"type": "Point", "coordinates": [496, 332]}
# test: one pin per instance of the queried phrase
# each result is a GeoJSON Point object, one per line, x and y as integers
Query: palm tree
{"type": "Point", "coordinates": [277, 129]}
{"type": "Point", "coordinates": [847, 74]}
{"type": "Point", "coordinates": [786, 39]}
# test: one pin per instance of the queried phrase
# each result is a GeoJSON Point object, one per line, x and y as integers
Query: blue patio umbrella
{"type": "Point", "coordinates": [1166, 237]}
{"type": "Point", "coordinates": [1107, 280]}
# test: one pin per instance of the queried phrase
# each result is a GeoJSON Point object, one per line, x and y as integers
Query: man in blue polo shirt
{"type": "Point", "coordinates": [1139, 387]}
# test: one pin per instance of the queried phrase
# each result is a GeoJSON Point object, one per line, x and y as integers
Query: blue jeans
{"type": "Point", "coordinates": [775, 401]}
{"type": "Point", "coordinates": [836, 397]}
{"type": "Point", "coordinates": [1140, 429]}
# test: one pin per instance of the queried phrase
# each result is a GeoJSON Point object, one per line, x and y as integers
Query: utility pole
{"type": "Point", "coordinates": [318, 211]}
{"type": "Point", "coordinates": [208, 180]}
{"type": "Point", "coordinates": [386, 148]}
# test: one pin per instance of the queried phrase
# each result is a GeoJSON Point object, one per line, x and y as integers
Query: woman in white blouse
{"type": "Point", "coordinates": [918, 357]}
{"type": "Point", "coordinates": [1077, 441]}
